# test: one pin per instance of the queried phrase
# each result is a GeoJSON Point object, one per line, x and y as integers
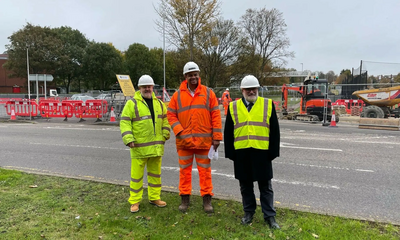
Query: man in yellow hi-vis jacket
{"type": "Point", "coordinates": [145, 128]}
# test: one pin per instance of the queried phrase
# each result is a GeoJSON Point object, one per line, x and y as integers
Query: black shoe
{"type": "Point", "coordinates": [248, 217]}
{"type": "Point", "coordinates": [272, 223]}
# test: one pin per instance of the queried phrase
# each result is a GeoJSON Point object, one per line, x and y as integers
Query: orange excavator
{"type": "Point", "coordinates": [313, 103]}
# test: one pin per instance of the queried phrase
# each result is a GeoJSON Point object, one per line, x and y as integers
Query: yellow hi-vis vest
{"type": "Point", "coordinates": [251, 129]}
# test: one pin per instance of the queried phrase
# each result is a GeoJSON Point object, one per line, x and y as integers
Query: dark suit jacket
{"type": "Point", "coordinates": [253, 164]}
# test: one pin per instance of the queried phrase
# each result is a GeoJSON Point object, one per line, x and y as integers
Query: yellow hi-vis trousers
{"type": "Point", "coordinates": [153, 179]}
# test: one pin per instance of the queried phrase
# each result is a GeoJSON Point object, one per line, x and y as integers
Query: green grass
{"type": "Point", "coordinates": [62, 208]}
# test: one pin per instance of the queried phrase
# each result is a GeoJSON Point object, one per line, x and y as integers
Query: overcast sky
{"type": "Point", "coordinates": [324, 34]}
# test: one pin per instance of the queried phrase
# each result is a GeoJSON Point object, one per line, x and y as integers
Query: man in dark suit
{"type": "Point", "coordinates": [251, 140]}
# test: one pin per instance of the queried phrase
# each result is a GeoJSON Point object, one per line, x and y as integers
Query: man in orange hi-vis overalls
{"type": "Point", "coordinates": [226, 99]}
{"type": "Point", "coordinates": [195, 118]}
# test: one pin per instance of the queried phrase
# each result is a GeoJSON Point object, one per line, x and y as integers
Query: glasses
{"type": "Point", "coordinates": [250, 89]}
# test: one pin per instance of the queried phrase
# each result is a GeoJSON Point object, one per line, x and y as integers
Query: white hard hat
{"type": "Point", "coordinates": [190, 67]}
{"type": "Point", "coordinates": [145, 80]}
{"type": "Point", "coordinates": [249, 82]}
{"type": "Point", "coordinates": [227, 89]}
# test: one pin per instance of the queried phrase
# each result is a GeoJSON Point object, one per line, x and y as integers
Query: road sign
{"type": "Point", "coordinates": [41, 77]}
{"type": "Point", "coordinates": [126, 85]}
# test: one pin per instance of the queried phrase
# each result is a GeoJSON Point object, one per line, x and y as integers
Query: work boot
{"type": "Point", "coordinates": [272, 223]}
{"type": "Point", "coordinates": [185, 203]}
{"type": "Point", "coordinates": [135, 207]}
{"type": "Point", "coordinates": [247, 218]}
{"type": "Point", "coordinates": [158, 203]}
{"type": "Point", "coordinates": [208, 208]}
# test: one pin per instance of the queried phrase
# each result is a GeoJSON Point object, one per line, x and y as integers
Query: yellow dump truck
{"type": "Point", "coordinates": [380, 103]}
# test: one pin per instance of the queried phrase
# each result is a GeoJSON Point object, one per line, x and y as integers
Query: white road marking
{"type": "Point", "coordinates": [326, 167]}
{"type": "Point", "coordinates": [80, 146]}
{"type": "Point", "coordinates": [231, 176]}
{"type": "Point", "coordinates": [311, 148]}
{"type": "Point", "coordinates": [84, 129]}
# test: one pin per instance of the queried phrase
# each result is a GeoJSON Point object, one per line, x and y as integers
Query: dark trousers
{"type": "Point", "coordinates": [266, 197]}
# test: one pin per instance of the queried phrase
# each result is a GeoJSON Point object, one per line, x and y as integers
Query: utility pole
{"type": "Point", "coordinates": [301, 67]}
{"type": "Point", "coordinates": [29, 83]}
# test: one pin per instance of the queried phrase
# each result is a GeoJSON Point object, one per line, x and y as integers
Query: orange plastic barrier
{"type": "Point", "coordinates": [22, 107]}
{"type": "Point", "coordinates": [349, 103]}
{"type": "Point", "coordinates": [91, 109]}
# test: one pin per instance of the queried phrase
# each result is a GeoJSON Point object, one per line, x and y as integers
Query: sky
{"type": "Point", "coordinates": [324, 34]}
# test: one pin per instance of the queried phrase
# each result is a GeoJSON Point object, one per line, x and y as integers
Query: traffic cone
{"type": "Point", "coordinates": [12, 113]}
{"type": "Point", "coordinates": [112, 115]}
{"type": "Point", "coordinates": [333, 120]}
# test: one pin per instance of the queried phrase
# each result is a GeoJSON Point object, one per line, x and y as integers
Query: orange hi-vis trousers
{"type": "Point", "coordinates": [185, 171]}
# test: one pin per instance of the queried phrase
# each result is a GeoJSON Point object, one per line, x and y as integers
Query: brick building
{"type": "Point", "coordinates": [10, 85]}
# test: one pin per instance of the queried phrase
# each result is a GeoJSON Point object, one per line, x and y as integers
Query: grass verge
{"type": "Point", "coordinates": [46, 207]}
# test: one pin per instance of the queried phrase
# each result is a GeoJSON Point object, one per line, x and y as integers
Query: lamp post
{"type": "Point", "coordinates": [301, 67]}
{"type": "Point", "coordinates": [29, 83]}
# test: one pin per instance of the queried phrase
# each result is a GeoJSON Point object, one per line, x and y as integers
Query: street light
{"type": "Point", "coordinates": [301, 66]}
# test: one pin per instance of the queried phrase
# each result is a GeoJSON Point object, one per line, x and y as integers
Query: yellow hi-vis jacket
{"type": "Point", "coordinates": [136, 126]}
{"type": "Point", "coordinates": [251, 129]}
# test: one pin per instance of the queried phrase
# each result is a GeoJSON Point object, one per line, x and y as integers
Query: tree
{"type": "Point", "coordinates": [158, 68]}
{"type": "Point", "coordinates": [139, 61]}
{"type": "Point", "coordinates": [220, 47]}
{"type": "Point", "coordinates": [43, 45]}
{"type": "Point", "coordinates": [185, 20]}
{"type": "Point", "coordinates": [265, 31]}
{"type": "Point", "coordinates": [331, 76]}
{"type": "Point", "coordinates": [344, 77]}
{"type": "Point", "coordinates": [101, 63]}
{"type": "Point", "coordinates": [71, 53]}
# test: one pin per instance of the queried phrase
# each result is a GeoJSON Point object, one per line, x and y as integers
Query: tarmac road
{"type": "Point", "coordinates": [342, 171]}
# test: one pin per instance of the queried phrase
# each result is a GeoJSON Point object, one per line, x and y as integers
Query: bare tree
{"type": "Point", "coordinates": [185, 20]}
{"type": "Point", "coordinates": [265, 31]}
{"type": "Point", "coordinates": [220, 46]}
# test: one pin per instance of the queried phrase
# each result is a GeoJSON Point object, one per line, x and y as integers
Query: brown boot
{"type": "Point", "coordinates": [185, 203]}
{"type": "Point", "coordinates": [208, 208]}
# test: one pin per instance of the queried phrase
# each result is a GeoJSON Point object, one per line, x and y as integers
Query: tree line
{"type": "Point", "coordinates": [225, 50]}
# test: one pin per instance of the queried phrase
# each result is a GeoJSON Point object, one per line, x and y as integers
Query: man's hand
{"type": "Point", "coordinates": [215, 144]}
{"type": "Point", "coordinates": [131, 145]}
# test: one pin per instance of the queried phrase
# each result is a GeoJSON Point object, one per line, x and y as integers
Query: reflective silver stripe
{"type": "Point", "coordinates": [160, 116]}
{"type": "Point", "coordinates": [217, 130]}
{"type": "Point", "coordinates": [136, 109]}
{"type": "Point", "coordinates": [192, 107]}
{"type": "Point", "coordinates": [175, 124]}
{"type": "Point", "coordinates": [252, 138]}
{"type": "Point", "coordinates": [154, 185]}
{"type": "Point", "coordinates": [172, 110]}
{"type": "Point", "coordinates": [154, 175]}
{"type": "Point", "coordinates": [238, 125]}
{"type": "Point", "coordinates": [251, 123]}
{"type": "Point", "coordinates": [164, 115]}
{"type": "Point", "coordinates": [126, 133]}
{"type": "Point", "coordinates": [201, 156]}
{"type": "Point", "coordinates": [136, 191]}
{"type": "Point", "coordinates": [136, 180]}
{"type": "Point", "coordinates": [215, 108]}
{"type": "Point", "coordinates": [148, 144]}
{"type": "Point", "coordinates": [194, 135]}
{"type": "Point", "coordinates": [179, 99]}
{"type": "Point", "coordinates": [208, 99]}
{"type": "Point", "coordinates": [183, 166]}
{"type": "Point", "coordinates": [235, 112]}
{"type": "Point", "coordinates": [126, 118]}
{"type": "Point", "coordinates": [265, 110]}
{"type": "Point", "coordinates": [203, 165]}
{"type": "Point", "coordinates": [166, 128]}
{"type": "Point", "coordinates": [185, 157]}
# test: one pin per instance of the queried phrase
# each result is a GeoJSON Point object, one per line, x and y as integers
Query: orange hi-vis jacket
{"type": "Point", "coordinates": [196, 121]}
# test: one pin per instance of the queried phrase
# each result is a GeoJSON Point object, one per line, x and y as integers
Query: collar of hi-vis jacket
{"type": "Point", "coordinates": [138, 96]}
{"type": "Point", "coordinates": [184, 86]}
